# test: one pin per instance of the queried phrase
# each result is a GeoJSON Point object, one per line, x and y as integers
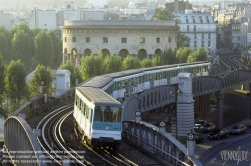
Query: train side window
{"type": "Point", "coordinates": [84, 108]}
{"type": "Point", "coordinates": [80, 105]}
{"type": "Point", "coordinates": [86, 111]}
{"type": "Point", "coordinates": [91, 113]}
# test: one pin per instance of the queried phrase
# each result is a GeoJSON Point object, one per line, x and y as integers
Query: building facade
{"type": "Point", "coordinates": [142, 39]}
{"type": "Point", "coordinates": [200, 28]}
{"type": "Point", "coordinates": [178, 6]}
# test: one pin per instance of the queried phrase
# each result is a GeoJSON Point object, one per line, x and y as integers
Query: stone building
{"type": "Point", "coordinates": [142, 39]}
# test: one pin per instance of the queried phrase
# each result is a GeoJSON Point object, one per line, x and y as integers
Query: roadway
{"type": "Point", "coordinates": [232, 154]}
{"type": "Point", "coordinates": [236, 110]}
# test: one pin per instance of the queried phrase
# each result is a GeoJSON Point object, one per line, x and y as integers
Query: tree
{"type": "Point", "coordinates": [3, 111]}
{"type": "Point", "coordinates": [41, 73]}
{"type": "Point", "coordinates": [23, 27]}
{"type": "Point", "coordinates": [21, 48]}
{"type": "Point", "coordinates": [182, 40]}
{"type": "Point", "coordinates": [5, 46]}
{"type": "Point", "coordinates": [130, 62]}
{"type": "Point", "coordinates": [170, 56]}
{"type": "Point", "coordinates": [162, 14]}
{"type": "Point", "coordinates": [15, 85]}
{"type": "Point", "coordinates": [201, 54]}
{"type": "Point", "coordinates": [192, 57]}
{"type": "Point", "coordinates": [158, 60]}
{"type": "Point", "coordinates": [146, 63]}
{"type": "Point", "coordinates": [91, 66]}
{"type": "Point", "coordinates": [57, 43]}
{"type": "Point", "coordinates": [182, 54]}
{"type": "Point", "coordinates": [69, 66]}
{"type": "Point", "coordinates": [112, 63]}
{"type": "Point", "coordinates": [44, 50]}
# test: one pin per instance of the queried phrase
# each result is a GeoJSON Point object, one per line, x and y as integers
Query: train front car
{"type": "Point", "coordinates": [102, 125]}
{"type": "Point", "coordinates": [106, 129]}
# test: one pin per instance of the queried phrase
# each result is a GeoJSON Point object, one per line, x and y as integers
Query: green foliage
{"type": "Point", "coordinates": [15, 85]}
{"type": "Point", "coordinates": [192, 57]}
{"type": "Point", "coordinates": [57, 43]}
{"type": "Point", "coordinates": [41, 73]}
{"type": "Point", "coordinates": [69, 66]}
{"type": "Point", "coordinates": [2, 75]}
{"type": "Point", "coordinates": [3, 111]}
{"type": "Point", "coordinates": [21, 48]}
{"type": "Point", "coordinates": [162, 14]}
{"type": "Point", "coordinates": [130, 62]}
{"type": "Point", "coordinates": [170, 56]}
{"type": "Point", "coordinates": [182, 40]}
{"type": "Point", "coordinates": [201, 54]}
{"type": "Point", "coordinates": [5, 46]}
{"type": "Point", "coordinates": [146, 63]}
{"type": "Point", "coordinates": [23, 27]}
{"type": "Point", "coordinates": [91, 66]}
{"type": "Point", "coordinates": [112, 63]}
{"type": "Point", "coordinates": [166, 57]}
{"type": "Point", "coordinates": [158, 60]}
{"type": "Point", "coordinates": [182, 54]}
{"type": "Point", "coordinates": [44, 50]}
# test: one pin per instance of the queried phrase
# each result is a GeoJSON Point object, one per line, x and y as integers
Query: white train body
{"type": "Point", "coordinates": [97, 99]}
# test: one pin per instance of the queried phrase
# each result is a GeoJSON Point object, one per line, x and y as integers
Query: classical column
{"type": "Point", "coordinates": [219, 96]}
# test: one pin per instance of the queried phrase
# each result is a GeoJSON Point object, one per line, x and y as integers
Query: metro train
{"type": "Point", "coordinates": [98, 109]}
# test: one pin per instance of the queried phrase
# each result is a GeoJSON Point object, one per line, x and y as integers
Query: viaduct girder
{"type": "Point", "coordinates": [236, 78]}
{"type": "Point", "coordinates": [205, 85]}
{"type": "Point", "coordinates": [156, 97]}
{"type": "Point", "coordinates": [19, 137]}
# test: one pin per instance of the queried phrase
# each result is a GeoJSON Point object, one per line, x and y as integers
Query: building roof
{"type": "Point", "coordinates": [121, 24]}
{"type": "Point", "coordinates": [195, 18]}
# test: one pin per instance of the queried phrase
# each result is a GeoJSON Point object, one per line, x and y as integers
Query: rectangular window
{"type": "Point", "coordinates": [187, 27]}
{"type": "Point", "coordinates": [202, 43]}
{"type": "Point", "coordinates": [194, 28]}
{"type": "Point", "coordinates": [195, 36]}
{"type": "Point", "coordinates": [123, 40]}
{"type": "Point", "coordinates": [105, 40]}
{"type": "Point", "coordinates": [195, 43]}
{"type": "Point", "coordinates": [87, 40]}
{"type": "Point", "coordinates": [169, 40]}
{"type": "Point", "coordinates": [202, 36]}
{"type": "Point", "coordinates": [142, 40]}
{"type": "Point", "coordinates": [209, 36]}
{"type": "Point", "coordinates": [209, 43]}
{"type": "Point", "coordinates": [65, 39]}
{"type": "Point", "coordinates": [73, 39]}
{"type": "Point", "coordinates": [157, 40]}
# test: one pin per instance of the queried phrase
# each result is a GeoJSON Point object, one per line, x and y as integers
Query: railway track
{"type": "Point", "coordinates": [57, 150]}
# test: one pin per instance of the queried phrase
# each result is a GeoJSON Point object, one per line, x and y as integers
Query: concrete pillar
{"type": "Point", "coordinates": [219, 96]}
{"type": "Point", "coordinates": [185, 107]}
{"type": "Point", "coordinates": [250, 99]}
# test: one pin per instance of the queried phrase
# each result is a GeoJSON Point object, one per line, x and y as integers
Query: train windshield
{"type": "Point", "coordinates": [107, 114]}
